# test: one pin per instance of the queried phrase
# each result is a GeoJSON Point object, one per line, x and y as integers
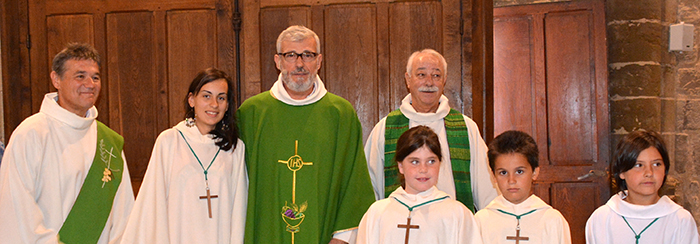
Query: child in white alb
{"type": "Point", "coordinates": [417, 212]}
{"type": "Point", "coordinates": [517, 215]}
{"type": "Point", "coordinates": [637, 214]}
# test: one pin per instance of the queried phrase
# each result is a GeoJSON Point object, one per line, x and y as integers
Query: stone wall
{"type": "Point", "coordinates": [655, 89]}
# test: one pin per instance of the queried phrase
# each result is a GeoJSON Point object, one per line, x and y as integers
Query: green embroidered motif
{"type": "Point", "coordinates": [460, 156]}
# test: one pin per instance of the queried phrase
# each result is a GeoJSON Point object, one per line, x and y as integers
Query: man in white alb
{"type": "Point", "coordinates": [63, 177]}
{"type": "Point", "coordinates": [464, 151]}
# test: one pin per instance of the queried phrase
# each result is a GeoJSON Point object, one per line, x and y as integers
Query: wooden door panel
{"type": "Point", "coordinates": [576, 201]}
{"type": "Point", "coordinates": [570, 96]}
{"type": "Point", "coordinates": [192, 47]}
{"type": "Point", "coordinates": [514, 40]}
{"type": "Point", "coordinates": [64, 29]}
{"type": "Point", "coordinates": [273, 21]}
{"type": "Point", "coordinates": [549, 64]}
{"type": "Point", "coordinates": [412, 28]}
{"type": "Point", "coordinates": [132, 89]}
{"type": "Point", "coordinates": [350, 59]}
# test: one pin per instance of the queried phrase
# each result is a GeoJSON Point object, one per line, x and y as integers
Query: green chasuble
{"type": "Point", "coordinates": [306, 166]}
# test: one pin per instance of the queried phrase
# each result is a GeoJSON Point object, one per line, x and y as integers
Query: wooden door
{"type": "Point", "coordinates": [151, 50]}
{"type": "Point", "coordinates": [550, 80]}
{"type": "Point", "coordinates": [365, 46]}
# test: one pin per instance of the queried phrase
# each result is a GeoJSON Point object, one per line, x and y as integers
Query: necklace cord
{"type": "Point", "coordinates": [637, 236]}
{"type": "Point", "coordinates": [206, 171]}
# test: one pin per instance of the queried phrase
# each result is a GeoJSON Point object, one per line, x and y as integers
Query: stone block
{"type": "Point", "coordinates": [690, 194]}
{"type": "Point", "coordinates": [637, 41]}
{"type": "Point", "coordinates": [688, 115]}
{"type": "Point", "coordinates": [632, 114]}
{"type": "Point", "coordinates": [640, 9]}
{"type": "Point", "coordinates": [670, 187]}
{"type": "Point", "coordinates": [668, 115]}
{"type": "Point", "coordinates": [692, 166]}
{"type": "Point", "coordinates": [682, 154]}
{"type": "Point", "coordinates": [669, 84]}
{"type": "Point", "coordinates": [689, 82]}
{"type": "Point", "coordinates": [635, 80]}
{"type": "Point", "coordinates": [688, 11]}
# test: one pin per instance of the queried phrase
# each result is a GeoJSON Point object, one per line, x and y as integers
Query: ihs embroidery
{"type": "Point", "coordinates": [293, 216]}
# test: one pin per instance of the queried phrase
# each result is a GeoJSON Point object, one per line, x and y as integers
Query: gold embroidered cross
{"type": "Point", "coordinates": [294, 164]}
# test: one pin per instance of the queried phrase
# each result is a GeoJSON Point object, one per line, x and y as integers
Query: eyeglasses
{"type": "Point", "coordinates": [292, 56]}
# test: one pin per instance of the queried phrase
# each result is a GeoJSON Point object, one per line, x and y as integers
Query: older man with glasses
{"type": "Point", "coordinates": [308, 179]}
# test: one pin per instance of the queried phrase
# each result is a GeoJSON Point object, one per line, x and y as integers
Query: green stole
{"type": "Point", "coordinates": [91, 209]}
{"type": "Point", "coordinates": [458, 140]}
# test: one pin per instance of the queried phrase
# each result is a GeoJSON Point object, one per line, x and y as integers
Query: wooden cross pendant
{"type": "Point", "coordinates": [408, 227]}
{"type": "Point", "coordinates": [209, 196]}
{"type": "Point", "coordinates": [517, 237]}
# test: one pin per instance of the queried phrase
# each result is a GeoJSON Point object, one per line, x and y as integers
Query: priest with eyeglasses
{"type": "Point", "coordinates": [308, 175]}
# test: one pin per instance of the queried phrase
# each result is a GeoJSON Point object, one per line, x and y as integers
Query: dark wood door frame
{"type": "Point", "coordinates": [15, 64]}
{"type": "Point", "coordinates": [482, 66]}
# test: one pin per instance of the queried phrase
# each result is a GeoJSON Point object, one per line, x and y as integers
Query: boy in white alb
{"type": "Point", "coordinates": [637, 214]}
{"type": "Point", "coordinates": [417, 212]}
{"type": "Point", "coordinates": [517, 216]}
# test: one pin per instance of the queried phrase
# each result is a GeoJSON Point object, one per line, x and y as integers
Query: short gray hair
{"type": "Point", "coordinates": [297, 33]}
{"type": "Point", "coordinates": [409, 66]}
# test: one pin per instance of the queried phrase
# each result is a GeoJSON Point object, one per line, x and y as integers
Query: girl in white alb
{"type": "Point", "coordinates": [637, 214]}
{"type": "Point", "coordinates": [417, 212]}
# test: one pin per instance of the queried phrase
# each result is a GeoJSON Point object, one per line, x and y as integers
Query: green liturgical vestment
{"type": "Point", "coordinates": [307, 172]}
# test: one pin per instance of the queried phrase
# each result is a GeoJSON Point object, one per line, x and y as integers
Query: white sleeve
{"type": "Point", "coordinates": [556, 228]}
{"type": "Point", "coordinates": [687, 231]}
{"type": "Point", "coordinates": [148, 222]}
{"type": "Point", "coordinates": [469, 232]}
{"type": "Point", "coordinates": [596, 227]}
{"type": "Point", "coordinates": [240, 196]}
{"type": "Point", "coordinates": [346, 236]}
{"type": "Point", "coordinates": [374, 151]}
{"type": "Point", "coordinates": [21, 219]}
{"type": "Point", "coordinates": [121, 207]}
{"type": "Point", "coordinates": [484, 187]}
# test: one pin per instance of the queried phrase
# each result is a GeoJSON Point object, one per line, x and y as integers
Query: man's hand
{"type": "Point", "coordinates": [336, 241]}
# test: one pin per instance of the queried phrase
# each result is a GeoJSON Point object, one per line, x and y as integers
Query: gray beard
{"type": "Point", "coordinates": [296, 86]}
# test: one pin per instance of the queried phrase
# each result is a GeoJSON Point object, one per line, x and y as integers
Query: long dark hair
{"type": "Point", "coordinates": [629, 148]}
{"type": "Point", "coordinates": [226, 131]}
{"type": "Point", "coordinates": [412, 140]}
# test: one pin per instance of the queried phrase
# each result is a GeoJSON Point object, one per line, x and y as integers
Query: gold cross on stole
{"type": "Point", "coordinates": [408, 227]}
{"type": "Point", "coordinates": [294, 164]}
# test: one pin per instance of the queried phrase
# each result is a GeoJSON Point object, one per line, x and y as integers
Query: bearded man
{"type": "Point", "coordinates": [308, 180]}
